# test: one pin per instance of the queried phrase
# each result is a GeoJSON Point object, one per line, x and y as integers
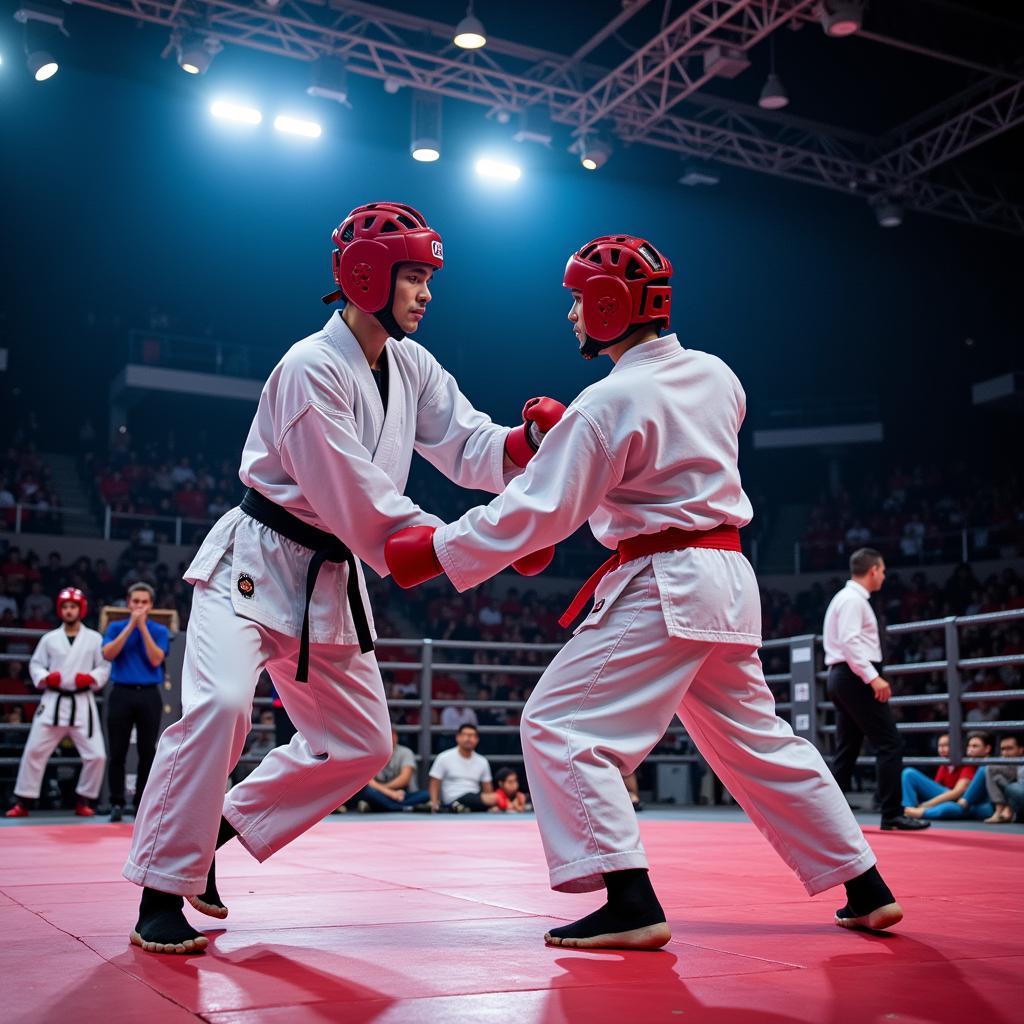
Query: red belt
{"type": "Point", "coordinates": [723, 538]}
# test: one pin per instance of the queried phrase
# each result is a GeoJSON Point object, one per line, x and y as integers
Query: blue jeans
{"type": "Point", "coordinates": [1014, 794]}
{"type": "Point", "coordinates": [917, 788]}
{"type": "Point", "coordinates": [379, 802]}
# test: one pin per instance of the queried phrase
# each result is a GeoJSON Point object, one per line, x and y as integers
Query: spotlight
{"type": "Point", "coordinates": [41, 22]}
{"type": "Point", "coordinates": [594, 153]}
{"type": "Point", "coordinates": [888, 212]}
{"type": "Point", "coordinates": [498, 170]}
{"type": "Point", "coordinates": [227, 111]}
{"type": "Point", "coordinates": [41, 65]}
{"type": "Point", "coordinates": [297, 126]}
{"type": "Point", "coordinates": [392, 85]}
{"type": "Point", "coordinates": [470, 33]}
{"type": "Point", "coordinates": [195, 54]}
{"type": "Point", "coordinates": [425, 144]}
{"type": "Point", "coordinates": [329, 80]}
{"type": "Point", "coordinates": [842, 17]}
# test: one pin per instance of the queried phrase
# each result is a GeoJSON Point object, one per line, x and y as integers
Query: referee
{"type": "Point", "coordinates": [137, 648]}
{"type": "Point", "coordinates": [853, 654]}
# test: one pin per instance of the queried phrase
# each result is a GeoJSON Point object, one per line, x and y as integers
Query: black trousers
{"type": "Point", "coordinates": [130, 705]}
{"type": "Point", "coordinates": [858, 714]}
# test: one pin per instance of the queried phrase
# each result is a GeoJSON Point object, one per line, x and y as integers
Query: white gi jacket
{"type": "Point", "coordinates": [322, 446]}
{"type": "Point", "coordinates": [54, 653]}
{"type": "Point", "coordinates": [653, 445]}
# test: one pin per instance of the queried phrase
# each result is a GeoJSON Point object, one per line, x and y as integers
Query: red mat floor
{"type": "Point", "coordinates": [441, 920]}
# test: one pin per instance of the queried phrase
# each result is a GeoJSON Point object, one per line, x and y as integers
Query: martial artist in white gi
{"type": "Point", "coordinates": [649, 456]}
{"type": "Point", "coordinates": [326, 463]}
{"type": "Point", "coordinates": [68, 666]}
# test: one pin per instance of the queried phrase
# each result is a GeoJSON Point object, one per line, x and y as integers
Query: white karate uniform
{"type": "Point", "coordinates": [653, 446]}
{"type": "Point", "coordinates": [67, 712]}
{"type": "Point", "coordinates": [322, 446]}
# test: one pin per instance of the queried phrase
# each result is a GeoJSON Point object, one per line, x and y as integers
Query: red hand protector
{"type": "Point", "coordinates": [83, 681]}
{"type": "Point", "coordinates": [410, 556]}
{"type": "Point", "coordinates": [535, 564]}
{"type": "Point", "coordinates": [52, 681]}
{"type": "Point", "coordinates": [520, 445]}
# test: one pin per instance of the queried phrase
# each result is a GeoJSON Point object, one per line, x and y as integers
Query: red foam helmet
{"type": "Point", "coordinates": [624, 284]}
{"type": "Point", "coordinates": [73, 594]}
{"type": "Point", "coordinates": [371, 241]}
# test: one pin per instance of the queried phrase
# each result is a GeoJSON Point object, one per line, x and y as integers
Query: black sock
{"type": "Point", "coordinates": [631, 904]}
{"type": "Point", "coordinates": [161, 918]}
{"type": "Point", "coordinates": [210, 894]}
{"type": "Point", "coordinates": [867, 892]}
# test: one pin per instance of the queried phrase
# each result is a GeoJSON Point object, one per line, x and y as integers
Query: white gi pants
{"type": "Point", "coordinates": [42, 741]}
{"type": "Point", "coordinates": [605, 701]}
{"type": "Point", "coordinates": [343, 739]}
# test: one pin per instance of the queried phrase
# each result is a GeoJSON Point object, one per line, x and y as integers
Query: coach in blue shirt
{"type": "Point", "coordinates": [137, 648]}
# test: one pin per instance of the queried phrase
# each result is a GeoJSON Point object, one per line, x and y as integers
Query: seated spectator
{"type": "Point", "coordinates": [37, 606]}
{"type": "Point", "coordinates": [259, 744]}
{"type": "Point", "coordinates": [967, 797]}
{"type": "Point", "coordinates": [393, 788]}
{"type": "Point", "coordinates": [508, 796]}
{"type": "Point", "coordinates": [999, 777]}
{"type": "Point", "coordinates": [7, 603]}
{"type": "Point", "coordinates": [460, 777]}
{"type": "Point", "coordinates": [454, 718]}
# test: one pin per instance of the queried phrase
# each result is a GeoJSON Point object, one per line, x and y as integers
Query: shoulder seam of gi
{"type": "Point", "coordinates": [597, 432]}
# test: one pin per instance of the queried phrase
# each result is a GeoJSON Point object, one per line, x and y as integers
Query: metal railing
{"type": "Point", "coordinates": [24, 517]}
{"type": "Point", "coordinates": [179, 529]}
{"type": "Point", "coordinates": [802, 702]}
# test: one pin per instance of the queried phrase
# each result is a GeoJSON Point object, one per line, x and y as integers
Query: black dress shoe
{"type": "Point", "coordinates": [904, 824]}
{"type": "Point", "coordinates": [116, 812]}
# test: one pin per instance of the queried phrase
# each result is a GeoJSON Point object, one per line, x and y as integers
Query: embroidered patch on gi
{"type": "Point", "coordinates": [246, 586]}
{"type": "Point", "coordinates": [597, 607]}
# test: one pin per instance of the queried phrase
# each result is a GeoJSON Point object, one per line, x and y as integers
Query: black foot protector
{"type": "Point", "coordinates": [209, 901]}
{"type": "Point", "coordinates": [162, 927]}
{"type": "Point", "coordinates": [631, 919]}
{"type": "Point", "coordinates": [870, 904]}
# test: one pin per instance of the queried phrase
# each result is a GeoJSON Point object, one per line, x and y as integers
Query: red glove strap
{"type": "Point", "coordinates": [518, 448]}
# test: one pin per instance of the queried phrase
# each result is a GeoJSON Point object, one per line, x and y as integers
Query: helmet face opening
{"type": "Point", "coordinates": [74, 595]}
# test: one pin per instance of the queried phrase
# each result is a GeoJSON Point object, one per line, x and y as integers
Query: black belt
{"type": "Point", "coordinates": [61, 694]}
{"type": "Point", "coordinates": [326, 548]}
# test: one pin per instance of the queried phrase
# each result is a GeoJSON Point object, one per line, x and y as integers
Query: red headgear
{"type": "Point", "coordinates": [624, 283]}
{"type": "Point", "coordinates": [73, 594]}
{"type": "Point", "coordinates": [371, 242]}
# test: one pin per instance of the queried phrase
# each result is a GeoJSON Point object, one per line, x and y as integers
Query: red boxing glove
{"type": "Point", "coordinates": [535, 564]}
{"type": "Point", "coordinates": [83, 681]}
{"type": "Point", "coordinates": [410, 556]}
{"type": "Point", "coordinates": [52, 681]}
{"type": "Point", "coordinates": [539, 416]}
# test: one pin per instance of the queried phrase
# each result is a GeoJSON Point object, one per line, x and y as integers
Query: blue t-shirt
{"type": "Point", "coordinates": [132, 665]}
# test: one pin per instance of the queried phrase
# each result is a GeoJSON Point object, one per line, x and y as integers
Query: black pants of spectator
{"type": "Point", "coordinates": [858, 714]}
{"type": "Point", "coordinates": [283, 728]}
{"type": "Point", "coordinates": [131, 705]}
{"type": "Point", "coordinates": [471, 800]}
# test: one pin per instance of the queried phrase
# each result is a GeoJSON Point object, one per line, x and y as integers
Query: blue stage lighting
{"type": "Point", "coordinates": [498, 170]}
{"type": "Point", "coordinates": [297, 126]}
{"type": "Point", "coordinates": [228, 111]}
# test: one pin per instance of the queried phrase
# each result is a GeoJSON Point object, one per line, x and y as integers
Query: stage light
{"type": "Point", "coordinates": [425, 144]}
{"type": "Point", "coordinates": [329, 80]}
{"type": "Point", "coordinates": [470, 33]}
{"type": "Point", "coordinates": [698, 174]}
{"type": "Point", "coordinates": [888, 212]}
{"type": "Point", "coordinates": [297, 126]}
{"type": "Point", "coordinates": [498, 170]}
{"type": "Point", "coordinates": [195, 55]}
{"type": "Point", "coordinates": [773, 94]}
{"type": "Point", "coordinates": [227, 111]}
{"type": "Point", "coordinates": [842, 17]}
{"type": "Point", "coordinates": [42, 24]}
{"type": "Point", "coordinates": [594, 153]}
{"type": "Point", "coordinates": [392, 85]}
{"type": "Point", "coordinates": [41, 65]}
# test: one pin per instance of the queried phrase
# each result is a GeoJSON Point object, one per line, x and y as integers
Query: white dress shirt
{"type": "Point", "coordinates": [851, 632]}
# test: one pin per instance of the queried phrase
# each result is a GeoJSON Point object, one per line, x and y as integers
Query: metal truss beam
{"type": "Point", "coordinates": [816, 159]}
{"type": "Point", "coordinates": [920, 154]}
{"type": "Point", "coordinates": [639, 95]}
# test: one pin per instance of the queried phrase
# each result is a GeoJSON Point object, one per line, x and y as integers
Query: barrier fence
{"type": "Point", "coordinates": [799, 692]}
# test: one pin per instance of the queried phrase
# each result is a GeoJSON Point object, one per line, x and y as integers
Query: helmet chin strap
{"type": "Point", "coordinates": [590, 348]}
{"type": "Point", "coordinates": [386, 316]}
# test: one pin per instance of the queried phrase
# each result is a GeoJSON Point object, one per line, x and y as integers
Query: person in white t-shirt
{"type": "Point", "coordinates": [460, 779]}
